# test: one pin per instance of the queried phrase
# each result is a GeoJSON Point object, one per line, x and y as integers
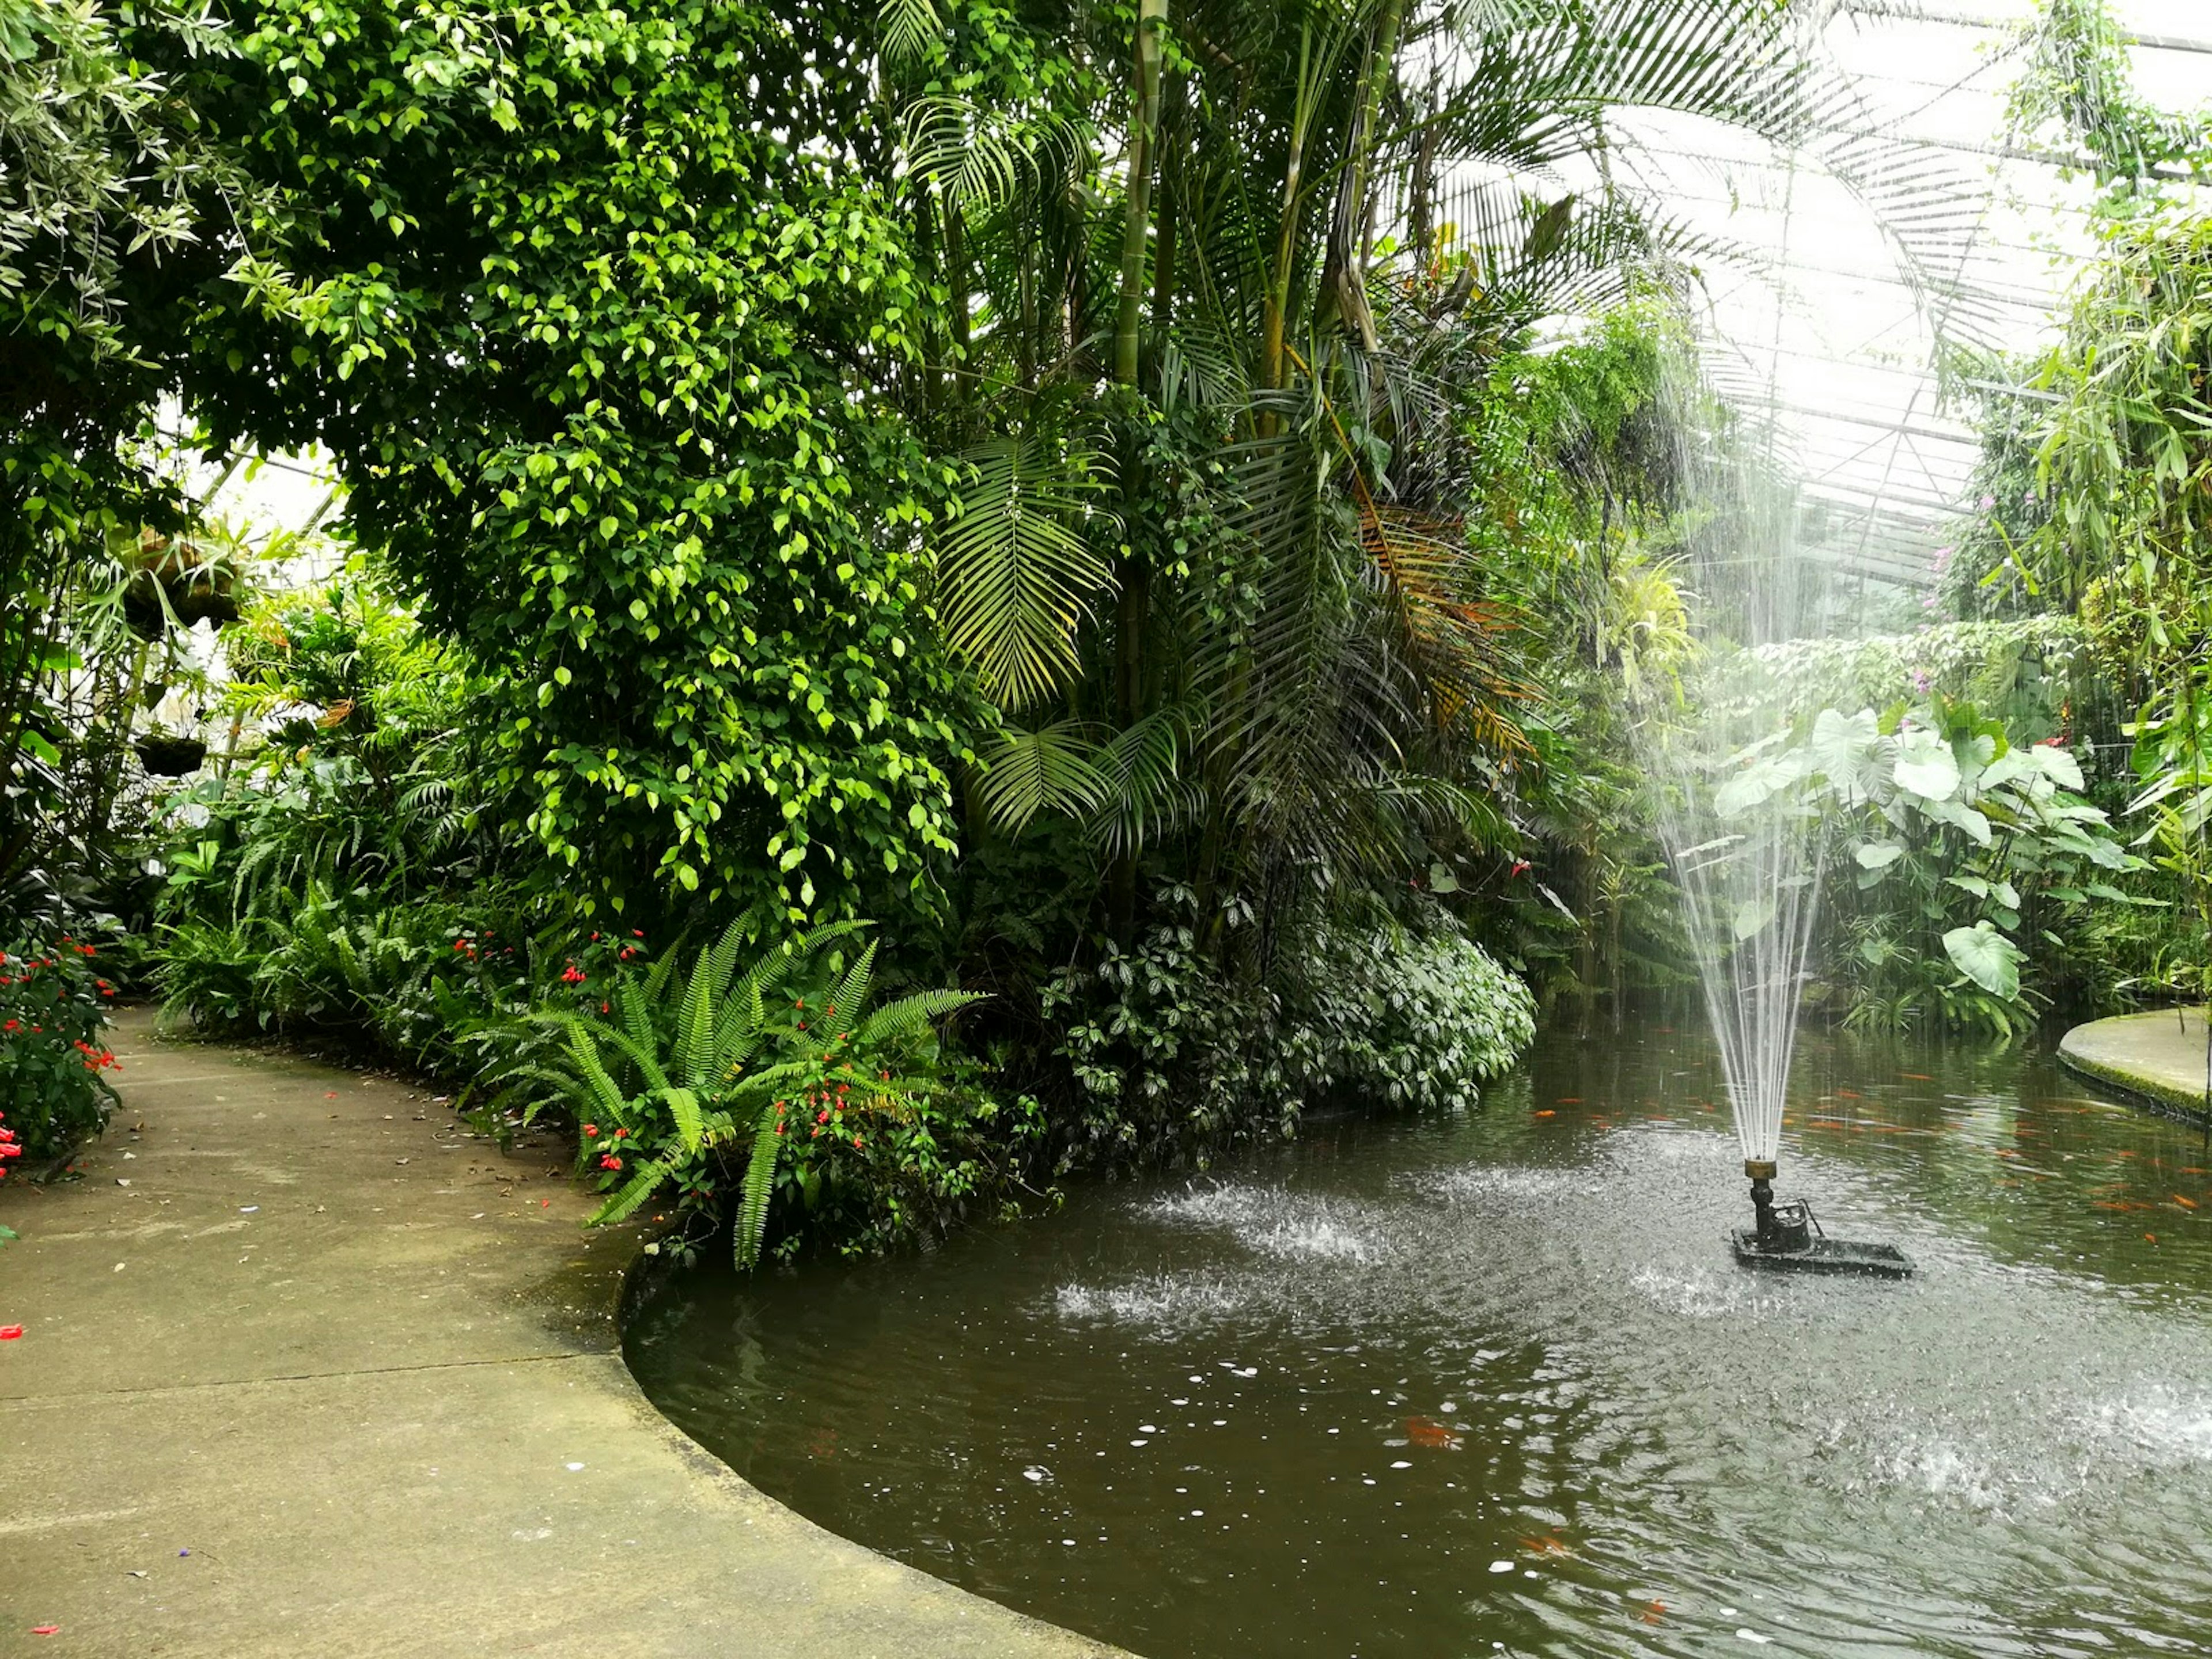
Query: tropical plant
{"type": "Point", "coordinates": [1951, 839]}
{"type": "Point", "coordinates": [691, 1075]}
{"type": "Point", "coordinates": [104, 176]}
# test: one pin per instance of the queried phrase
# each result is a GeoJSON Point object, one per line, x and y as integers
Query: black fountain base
{"type": "Point", "coordinates": [1789, 1238]}
{"type": "Point", "coordinates": [1823, 1255]}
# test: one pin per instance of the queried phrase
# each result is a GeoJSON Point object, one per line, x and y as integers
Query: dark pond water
{"type": "Point", "coordinates": [1491, 1385]}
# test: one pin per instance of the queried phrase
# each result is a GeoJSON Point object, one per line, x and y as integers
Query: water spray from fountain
{"type": "Point", "coordinates": [1742, 802]}
{"type": "Point", "coordinates": [1746, 825]}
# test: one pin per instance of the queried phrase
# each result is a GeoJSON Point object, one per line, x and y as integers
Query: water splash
{"type": "Point", "coordinates": [1163, 1301]}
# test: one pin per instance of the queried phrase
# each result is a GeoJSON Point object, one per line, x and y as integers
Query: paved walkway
{"type": "Point", "coordinates": [2159, 1056]}
{"type": "Point", "coordinates": [308, 1370]}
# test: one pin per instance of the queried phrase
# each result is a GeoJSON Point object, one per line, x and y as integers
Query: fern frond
{"type": "Point", "coordinates": [683, 1109]}
{"type": "Point", "coordinates": [911, 1013]}
{"type": "Point", "coordinates": [631, 1194]}
{"type": "Point", "coordinates": [752, 1225]}
{"type": "Point", "coordinates": [599, 1088]}
{"type": "Point", "coordinates": [852, 993]}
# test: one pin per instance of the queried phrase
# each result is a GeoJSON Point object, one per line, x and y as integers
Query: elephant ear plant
{"type": "Point", "coordinates": [686, 1079]}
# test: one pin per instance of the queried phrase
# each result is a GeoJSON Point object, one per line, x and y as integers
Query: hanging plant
{"type": "Point", "coordinates": [166, 755]}
{"type": "Point", "coordinates": [181, 582]}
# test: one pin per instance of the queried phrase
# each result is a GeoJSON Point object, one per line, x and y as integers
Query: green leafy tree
{"type": "Point", "coordinates": [594, 306]}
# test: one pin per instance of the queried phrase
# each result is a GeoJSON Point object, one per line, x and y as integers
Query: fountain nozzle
{"type": "Point", "coordinates": [1762, 1172]}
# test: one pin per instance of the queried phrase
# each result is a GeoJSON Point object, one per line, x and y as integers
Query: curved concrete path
{"type": "Point", "coordinates": [2160, 1057]}
{"type": "Point", "coordinates": [306, 1369]}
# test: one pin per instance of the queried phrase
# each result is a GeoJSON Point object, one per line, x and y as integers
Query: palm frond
{"type": "Point", "coordinates": [1017, 578]}
{"type": "Point", "coordinates": [1052, 769]}
{"type": "Point", "coordinates": [910, 28]}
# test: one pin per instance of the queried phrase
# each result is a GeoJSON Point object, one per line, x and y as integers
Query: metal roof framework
{"type": "Point", "coordinates": [1828, 340]}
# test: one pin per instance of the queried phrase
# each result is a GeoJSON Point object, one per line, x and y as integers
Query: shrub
{"type": "Point", "coordinates": [1171, 1059]}
{"type": "Point", "coordinates": [53, 1067]}
{"type": "Point", "coordinates": [1409, 1019]}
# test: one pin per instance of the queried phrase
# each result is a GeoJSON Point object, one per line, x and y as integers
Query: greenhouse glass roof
{"type": "Point", "coordinates": [1822, 327]}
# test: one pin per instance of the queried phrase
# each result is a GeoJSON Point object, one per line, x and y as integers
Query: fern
{"type": "Point", "coordinates": [695, 1062]}
{"type": "Point", "coordinates": [751, 1228]}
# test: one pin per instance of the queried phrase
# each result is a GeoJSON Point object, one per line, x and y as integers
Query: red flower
{"type": "Point", "coordinates": [621, 1134]}
{"type": "Point", "coordinates": [856, 1143]}
{"type": "Point", "coordinates": [591, 1131]}
{"type": "Point", "coordinates": [610, 1162]}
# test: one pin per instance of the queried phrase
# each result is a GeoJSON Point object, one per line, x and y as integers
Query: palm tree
{"type": "Point", "coordinates": [1213, 292]}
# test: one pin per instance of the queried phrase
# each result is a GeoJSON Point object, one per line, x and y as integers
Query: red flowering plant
{"type": "Point", "coordinates": [728, 1084]}
{"type": "Point", "coordinates": [54, 1088]}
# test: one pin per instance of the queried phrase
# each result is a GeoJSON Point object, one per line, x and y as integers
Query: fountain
{"type": "Point", "coordinates": [1746, 836]}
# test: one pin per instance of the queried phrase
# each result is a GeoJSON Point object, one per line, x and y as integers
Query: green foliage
{"type": "Point", "coordinates": [2075, 94]}
{"type": "Point", "coordinates": [1171, 1061]}
{"type": "Point", "coordinates": [1959, 858]}
{"type": "Point", "coordinates": [54, 1091]}
{"type": "Point", "coordinates": [692, 1079]}
{"type": "Point", "coordinates": [352, 874]}
{"type": "Point", "coordinates": [2031, 673]}
{"type": "Point", "coordinates": [1390, 1017]}
{"type": "Point", "coordinates": [596, 315]}
{"type": "Point", "coordinates": [103, 177]}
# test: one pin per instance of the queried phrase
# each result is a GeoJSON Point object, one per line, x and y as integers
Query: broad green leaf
{"type": "Point", "coordinates": [1987, 957]}
{"type": "Point", "coordinates": [2059, 765]}
{"type": "Point", "coordinates": [1878, 854]}
{"type": "Point", "coordinates": [1751, 915]}
{"type": "Point", "coordinates": [1926, 766]}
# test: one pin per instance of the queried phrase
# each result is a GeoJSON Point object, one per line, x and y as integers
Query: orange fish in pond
{"type": "Point", "coordinates": [1846, 1094]}
{"type": "Point", "coordinates": [1547, 1112]}
{"type": "Point", "coordinates": [1545, 1546]}
{"type": "Point", "coordinates": [1656, 1612]}
{"type": "Point", "coordinates": [2192, 1172]}
{"type": "Point", "coordinates": [1427, 1431]}
{"type": "Point", "coordinates": [1916, 1076]}
{"type": "Point", "coordinates": [2186, 1203]}
{"type": "Point", "coordinates": [1568, 1100]}
{"type": "Point", "coordinates": [2151, 1238]}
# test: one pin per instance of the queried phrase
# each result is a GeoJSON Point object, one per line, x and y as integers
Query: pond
{"type": "Point", "coordinates": [1491, 1383]}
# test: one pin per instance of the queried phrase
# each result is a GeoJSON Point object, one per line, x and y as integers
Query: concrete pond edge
{"type": "Point", "coordinates": [2081, 1051]}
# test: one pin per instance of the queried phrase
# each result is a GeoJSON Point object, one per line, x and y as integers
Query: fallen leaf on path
{"type": "Point", "coordinates": [10, 1333]}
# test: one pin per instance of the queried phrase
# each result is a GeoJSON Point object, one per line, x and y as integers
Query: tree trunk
{"type": "Point", "coordinates": [1136, 225]}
